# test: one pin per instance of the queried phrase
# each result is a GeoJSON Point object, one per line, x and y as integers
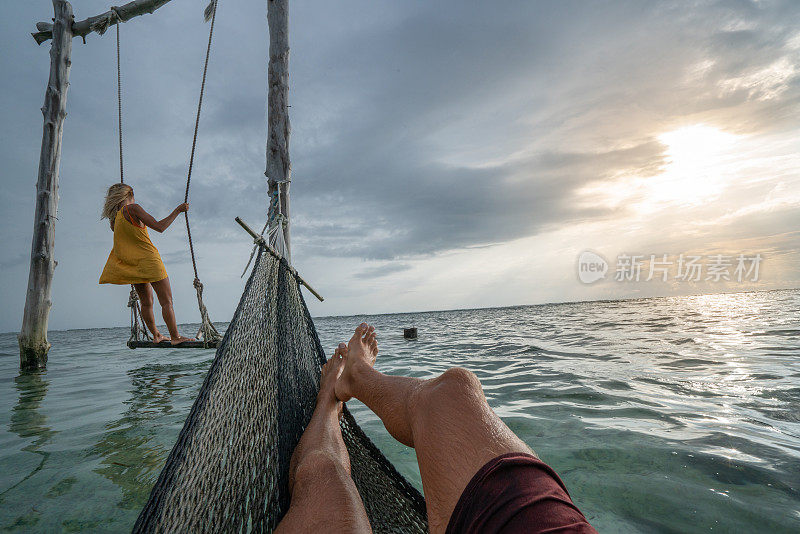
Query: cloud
{"type": "Point", "coordinates": [379, 271]}
{"type": "Point", "coordinates": [432, 208]}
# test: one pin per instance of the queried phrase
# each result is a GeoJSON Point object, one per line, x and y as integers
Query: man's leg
{"type": "Point", "coordinates": [324, 497]}
{"type": "Point", "coordinates": [446, 419]}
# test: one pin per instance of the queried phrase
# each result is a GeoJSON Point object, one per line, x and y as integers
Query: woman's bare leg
{"type": "Point", "coordinates": [446, 419]}
{"type": "Point", "coordinates": [324, 496]}
{"type": "Point", "coordinates": [164, 294]}
{"type": "Point", "coordinates": [145, 293]}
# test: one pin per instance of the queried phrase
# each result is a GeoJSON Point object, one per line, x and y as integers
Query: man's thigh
{"type": "Point", "coordinates": [455, 434]}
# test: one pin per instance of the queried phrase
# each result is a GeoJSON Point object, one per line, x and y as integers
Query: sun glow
{"type": "Point", "coordinates": [698, 160]}
{"type": "Point", "coordinates": [696, 145]}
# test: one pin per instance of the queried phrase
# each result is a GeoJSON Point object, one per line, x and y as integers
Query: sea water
{"type": "Point", "coordinates": [660, 415]}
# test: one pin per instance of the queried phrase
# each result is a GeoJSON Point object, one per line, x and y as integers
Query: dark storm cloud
{"type": "Point", "coordinates": [422, 209]}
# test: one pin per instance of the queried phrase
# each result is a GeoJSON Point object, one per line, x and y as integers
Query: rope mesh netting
{"type": "Point", "coordinates": [228, 470]}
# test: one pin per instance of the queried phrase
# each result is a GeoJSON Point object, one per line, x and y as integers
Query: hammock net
{"type": "Point", "coordinates": [228, 470]}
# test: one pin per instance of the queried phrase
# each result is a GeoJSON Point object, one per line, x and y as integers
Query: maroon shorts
{"type": "Point", "coordinates": [516, 493]}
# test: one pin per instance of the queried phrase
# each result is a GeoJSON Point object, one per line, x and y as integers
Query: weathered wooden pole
{"type": "Point", "coordinates": [33, 344]}
{"type": "Point", "coordinates": [279, 167]}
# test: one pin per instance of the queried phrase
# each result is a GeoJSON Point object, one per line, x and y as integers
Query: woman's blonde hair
{"type": "Point", "coordinates": [116, 195]}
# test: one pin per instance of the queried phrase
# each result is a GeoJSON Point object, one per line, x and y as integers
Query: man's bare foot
{"type": "Point", "coordinates": [362, 350]}
{"type": "Point", "coordinates": [327, 406]}
{"type": "Point", "coordinates": [180, 339]}
{"type": "Point", "coordinates": [331, 370]}
{"type": "Point", "coordinates": [158, 337]}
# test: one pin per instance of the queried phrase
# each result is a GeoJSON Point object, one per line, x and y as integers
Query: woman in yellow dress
{"type": "Point", "coordinates": [135, 260]}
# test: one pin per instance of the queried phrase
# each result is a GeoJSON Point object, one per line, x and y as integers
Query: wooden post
{"type": "Point", "coordinates": [33, 344]}
{"type": "Point", "coordinates": [279, 168]}
{"type": "Point", "coordinates": [410, 333]}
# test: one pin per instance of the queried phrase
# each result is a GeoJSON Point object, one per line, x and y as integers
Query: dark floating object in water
{"type": "Point", "coordinates": [134, 344]}
{"type": "Point", "coordinates": [410, 333]}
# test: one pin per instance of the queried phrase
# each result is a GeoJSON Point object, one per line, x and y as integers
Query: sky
{"type": "Point", "coordinates": [449, 154]}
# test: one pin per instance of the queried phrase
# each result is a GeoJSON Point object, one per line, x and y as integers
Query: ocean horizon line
{"type": "Point", "coordinates": [505, 307]}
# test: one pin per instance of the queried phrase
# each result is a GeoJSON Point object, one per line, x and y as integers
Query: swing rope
{"type": "Point", "coordinates": [213, 7]}
{"type": "Point", "coordinates": [119, 101]}
{"type": "Point", "coordinates": [138, 329]}
{"type": "Point", "coordinates": [207, 329]}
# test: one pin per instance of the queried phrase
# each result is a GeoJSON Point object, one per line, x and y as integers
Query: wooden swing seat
{"type": "Point", "coordinates": [133, 344]}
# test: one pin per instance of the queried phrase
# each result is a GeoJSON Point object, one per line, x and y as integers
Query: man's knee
{"type": "Point", "coordinates": [454, 385]}
{"type": "Point", "coordinates": [165, 300]}
{"type": "Point", "coordinates": [317, 467]}
{"type": "Point", "coordinates": [146, 301]}
{"type": "Point", "coordinates": [459, 381]}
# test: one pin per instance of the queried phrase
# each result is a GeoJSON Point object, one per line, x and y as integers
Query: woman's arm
{"type": "Point", "coordinates": [149, 220]}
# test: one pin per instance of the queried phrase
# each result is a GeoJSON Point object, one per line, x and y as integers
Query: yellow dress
{"type": "Point", "coordinates": [134, 259]}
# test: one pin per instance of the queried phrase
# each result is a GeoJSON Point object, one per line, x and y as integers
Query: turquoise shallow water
{"type": "Point", "coordinates": [661, 415]}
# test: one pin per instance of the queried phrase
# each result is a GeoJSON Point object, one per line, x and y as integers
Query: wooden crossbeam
{"type": "Point", "coordinates": [259, 240]}
{"type": "Point", "coordinates": [100, 23]}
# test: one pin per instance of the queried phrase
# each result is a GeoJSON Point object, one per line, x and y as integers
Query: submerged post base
{"type": "Point", "coordinates": [32, 354]}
